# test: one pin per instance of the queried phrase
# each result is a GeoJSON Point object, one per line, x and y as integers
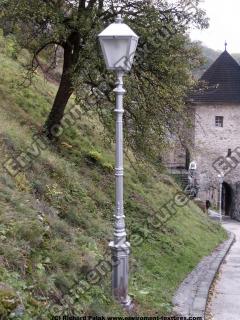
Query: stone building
{"type": "Point", "coordinates": [215, 136]}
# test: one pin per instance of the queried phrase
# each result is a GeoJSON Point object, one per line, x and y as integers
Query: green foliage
{"type": "Point", "coordinates": [95, 157]}
{"type": "Point", "coordinates": [9, 45]}
{"type": "Point", "coordinates": [161, 76]}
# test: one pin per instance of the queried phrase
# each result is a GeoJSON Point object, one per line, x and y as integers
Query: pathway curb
{"type": "Point", "coordinates": [190, 300]}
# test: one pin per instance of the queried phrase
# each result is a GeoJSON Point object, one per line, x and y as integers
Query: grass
{"type": "Point", "coordinates": [56, 216]}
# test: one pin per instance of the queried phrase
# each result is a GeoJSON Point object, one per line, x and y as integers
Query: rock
{"type": "Point", "coordinates": [19, 311]}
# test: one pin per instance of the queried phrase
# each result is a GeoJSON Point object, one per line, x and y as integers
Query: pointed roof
{"type": "Point", "coordinates": [222, 80]}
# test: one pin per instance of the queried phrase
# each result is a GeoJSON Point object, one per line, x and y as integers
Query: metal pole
{"type": "Point", "coordinates": [119, 246]}
{"type": "Point", "coordinates": [220, 200]}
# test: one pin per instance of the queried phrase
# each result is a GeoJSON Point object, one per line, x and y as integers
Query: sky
{"type": "Point", "coordinates": [224, 25]}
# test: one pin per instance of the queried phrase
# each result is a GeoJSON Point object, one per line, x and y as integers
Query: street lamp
{"type": "Point", "coordinates": [221, 179]}
{"type": "Point", "coordinates": [119, 43]}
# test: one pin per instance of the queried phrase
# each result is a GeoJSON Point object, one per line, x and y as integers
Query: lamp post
{"type": "Point", "coordinates": [119, 43]}
{"type": "Point", "coordinates": [221, 179]}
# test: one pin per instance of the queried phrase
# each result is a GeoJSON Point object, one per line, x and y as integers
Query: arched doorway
{"type": "Point", "coordinates": [227, 198]}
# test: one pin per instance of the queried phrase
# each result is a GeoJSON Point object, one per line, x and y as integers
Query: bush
{"type": "Point", "coordinates": [108, 167]}
{"type": "Point", "coordinates": [11, 48]}
{"type": "Point", "coordinates": [8, 45]}
{"type": "Point", "coordinates": [94, 157]}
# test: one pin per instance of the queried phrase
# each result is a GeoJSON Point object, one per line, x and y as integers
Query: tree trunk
{"type": "Point", "coordinates": [65, 91]}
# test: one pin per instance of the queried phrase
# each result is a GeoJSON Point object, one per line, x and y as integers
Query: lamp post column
{"type": "Point", "coordinates": [220, 199]}
{"type": "Point", "coordinates": [120, 248]}
{"type": "Point", "coordinates": [221, 179]}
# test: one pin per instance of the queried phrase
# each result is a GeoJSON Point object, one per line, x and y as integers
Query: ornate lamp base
{"type": "Point", "coordinates": [120, 257]}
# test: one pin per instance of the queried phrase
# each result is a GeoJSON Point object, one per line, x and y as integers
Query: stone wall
{"type": "Point", "coordinates": [176, 155]}
{"type": "Point", "coordinates": [181, 142]}
{"type": "Point", "coordinates": [211, 146]}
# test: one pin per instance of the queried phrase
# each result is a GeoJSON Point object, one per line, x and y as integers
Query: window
{"type": "Point", "coordinates": [218, 121]}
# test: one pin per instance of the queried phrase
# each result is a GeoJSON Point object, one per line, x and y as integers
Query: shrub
{"type": "Point", "coordinates": [94, 157]}
{"type": "Point", "coordinates": [108, 167]}
{"type": "Point", "coordinates": [8, 45]}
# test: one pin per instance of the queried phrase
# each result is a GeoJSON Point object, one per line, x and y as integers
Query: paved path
{"type": "Point", "coordinates": [191, 297]}
{"type": "Point", "coordinates": [225, 302]}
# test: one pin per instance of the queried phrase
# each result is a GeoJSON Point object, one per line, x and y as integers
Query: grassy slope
{"type": "Point", "coordinates": [56, 217]}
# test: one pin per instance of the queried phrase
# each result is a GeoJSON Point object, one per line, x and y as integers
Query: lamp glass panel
{"type": "Point", "coordinates": [115, 52]}
{"type": "Point", "coordinates": [132, 51]}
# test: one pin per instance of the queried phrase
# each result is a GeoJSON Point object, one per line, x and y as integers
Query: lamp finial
{"type": "Point", "coordinates": [119, 18]}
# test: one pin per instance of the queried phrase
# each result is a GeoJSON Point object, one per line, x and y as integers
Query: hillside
{"type": "Point", "coordinates": [56, 215]}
